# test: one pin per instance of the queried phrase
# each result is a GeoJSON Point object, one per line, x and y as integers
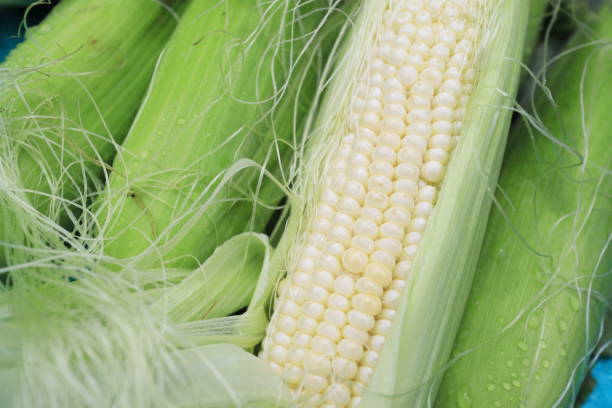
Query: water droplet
{"type": "Point", "coordinates": [144, 154]}
{"type": "Point", "coordinates": [464, 400]}
{"type": "Point", "coordinates": [506, 386]}
{"type": "Point", "coordinates": [543, 344]}
{"type": "Point", "coordinates": [563, 352]}
{"type": "Point", "coordinates": [523, 346]}
{"type": "Point", "coordinates": [545, 363]}
{"type": "Point", "coordinates": [562, 325]}
{"type": "Point", "coordinates": [537, 377]}
{"type": "Point", "coordinates": [516, 383]}
{"type": "Point", "coordinates": [533, 322]}
{"type": "Point", "coordinates": [509, 363]}
{"type": "Point", "coordinates": [490, 387]}
{"type": "Point", "coordinates": [513, 375]}
{"type": "Point", "coordinates": [497, 404]}
{"type": "Point", "coordinates": [45, 28]}
{"type": "Point", "coordinates": [525, 362]}
{"type": "Point", "coordinates": [490, 377]}
{"type": "Point", "coordinates": [180, 121]}
{"type": "Point", "coordinates": [500, 320]}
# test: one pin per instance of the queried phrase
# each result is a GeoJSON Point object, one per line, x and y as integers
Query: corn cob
{"type": "Point", "coordinates": [543, 280]}
{"type": "Point", "coordinates": [378, 191]}
{"type": "Point", "coordinates": [68, 93]}
{"type": "Point", "coordinates": [203, 155]}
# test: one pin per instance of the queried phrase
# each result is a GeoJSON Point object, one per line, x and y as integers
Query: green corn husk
{"type": "Point", "coordinates": [210, 150]}
{"type": "Point", "coordinates": [68, 94]}
{"type": "Point", "coordinates": [543, 281]}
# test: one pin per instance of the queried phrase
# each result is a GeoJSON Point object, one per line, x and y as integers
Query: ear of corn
{"type": "Point", "coordinates": [68, 93]}
{"type": "Point", "coordinates": [543, 280]}
{"type": "Point", "coordinates": [212, 145]}
{"type": "Point", "coordinates": [375, 263]}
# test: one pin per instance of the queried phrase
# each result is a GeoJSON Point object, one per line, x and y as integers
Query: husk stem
{"type": "Point", "coordinates": [543, 281]}
{"type": "Point", "coordinates": [210, 153]}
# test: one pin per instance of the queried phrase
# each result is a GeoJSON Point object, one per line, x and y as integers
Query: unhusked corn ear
{"type": "Point", "coordinates": [376, 196]}
{"type": "Point", "coordinates": [543, 282]}
{"type": "Point", "coordinates": [68, 93]}
{"type": "Point", "coordinates": [215, 134]}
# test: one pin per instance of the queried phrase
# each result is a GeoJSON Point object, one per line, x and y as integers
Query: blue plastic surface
{"type": "Point", "coordinates": [601, 397]}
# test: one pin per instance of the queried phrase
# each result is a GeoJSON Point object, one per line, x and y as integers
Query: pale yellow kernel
{"type": "Point", "coordinates": [420, 48]}
{"type": "Point", "coordinates": [278, 354]}
{"type": "Point", "coordinates": [383, 257]}
{"type": "Point", "coordinates": [433, 171]}
{"type": "Point", "coordinates": [440, 51]}
{"type": "Point", "coordinates": [410, 252]}
{"type": "Point", "coordinates": [340, 234]}
{"type": "Point", "coordinates": [376, 79]}
{"type": "Point", "coordinates": [338, 394]}
{"type": "Point", "coordinates": [384, 154]}
{"type": "Point", "coordinates": [423, 209]}
{"type": "Point", "coordinates": [418, 224]}
{"type": "Point", "coordinates": [408, 30]}
{"type": "Point", "coordinates": [397, 56]}
{"type": "Point", "coordinates": [380, 184]}
{"type": "Point", "coordinates": [310, 399]}
{"type": "Point", "coordinates": [361, 320]}
{"type": "Point", "coordinates": [328, 330]}
{"type": "Point", "coordinates": [296, 294]}
{"type": "Point", "coordinates": [306, 264]}
{"type": "Point", "coordinates": [393, 124]}
{"type": "Point", "coordinates": [324, 279]}
{"type": "Point", "coordinates": [314, 383]}
{"type": "Point", "coordinates": [338, 166]}
{"type": "Point", "coordinates": [363, 243]}
{"type": "Point", "coordinates": [419, 115]}
{"type": "Point", "coordinates": [277, 368]}
{"type": "Point", "coordinates": [370, 358]}
{"type": "Point", "coordinates": [407, 75]}
{"type": "Point", "coordinates": [301, 339]}
{"type": "Point", "coordinates": [358, 160]}
{"type": "Point", "coordinates": [376, 199]}
{"type": "Point", "coordinates": [437, 154]}
{"type": "Point", "coordinates": [354, 260]}
{"type": "Point", "coordinates": [417, 101]}
{"type": "Point", "coordinates": [374, 106]}
{"type": "Point", "coordinates": [329, 197]}
{"type": "Point", "coordinates": [451, 85]}
{"type": "Point", "coordinates": [286, 324]}
{"type": "Point", "coordinates": [402, 41]}
{"type": "Point", "coordinates": [376, 92]}
{"type": "Point", "coordinates": [446, 37]}
{"type": "Point", "coordinates": [349, 206]}
{"type": "Point", "coordinates": [307, 324]}
{"type": "Point", "coordinates": [293, 374]}
{"type": "Point", "coordinates": [359, 174]}
{"type": "Point", "coordinates": [344, 369]}
{"type": "Point", "coordinates": [416, 142]}
{"type": "Point", "coordinates": [289, 308]}
{"type": "Point", "coordinates": [409, 155]}
{"type": "Point", "coordinates": [391, 298]}
{"type": "Point", "coordinates": [344, 285]}
{"type": "Point", "coordinates": [402, 270]}
{"type": "Point", "coordinates": [323, 345]}
{"type": "Point", "coordinates": [366, 228]}
{"type": "Point", "coordinates": [330, 263]}
{"type": "Point", "coordinates": [398, 284]}
{"type": "Point", "coordinates": [338, 301]}
{"type": "Point", "coordinates": [368, 286]}
{"type": "Point", "coordinates": [343, 220]}
{"type": "Point", "coordinates": [391, 230]}
{"type": "Point", "coordinates": [389, 71]}
{"type": "Point", "coordinates": [415, 60]}
{"type": "Point", "coordinates": [365, 374]}
{"type": "Point", "coordinates": [358, 336]}
{"type": "Point", "coordinates": [354, 190]}
{"type": "Point", "coordinates": [428, 193]}
{"type": "Point", "coordinates": [350, 350]}
{"type": "Point", "coordinates": [378, 273]}
{"type": "Point", "coordinates": [377, 341]}
{"type": "Point", "coordinates": [433, 76]}
{"type": "Point", "coordinates": [398, 216]}
{"type": "Point", "coordinates": [371, 213]}
{"type": "Point", "coordinates": [383, 326]}
{"type": "Point", "coordinates": [422, 129]}
{"type": "Point", "coordinates": [335, 317]}
{"type": "Point", "coordinates": [311, 251]}
{"type": "Point", "coordinates": [367, 304]}
{"type": "Point", "coordinates": [355, 402]}
{"type": "Point", "coordinates": [391, 140]}
{"type": "Point", "coordinates": [406, 186]}
{"type": "Point", "coordinates": [402, 200]}
{"type": "Point", "coordinates": [393, 246]}
{"type": "Point", "coordinates": [317, 363]}
{"type": "Point", "coordinates": [316, 239]}
{"type": "Point", "coordinates": [317, 294]}
{"type": "Point", "coordinates": [388, 314]}
{"type": "Point", "coordinates": [381, 168]}
{"type": "Point", "coordinates": [314, 309]}
{"type": "Point", "coordinates": [443, 113]}
{"type": "Point", "coordinates": [412, 238]}
{"type": "Point", "coordinates": [282, 339]}
{"type": "Point", "coordinates": [334, 248]}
